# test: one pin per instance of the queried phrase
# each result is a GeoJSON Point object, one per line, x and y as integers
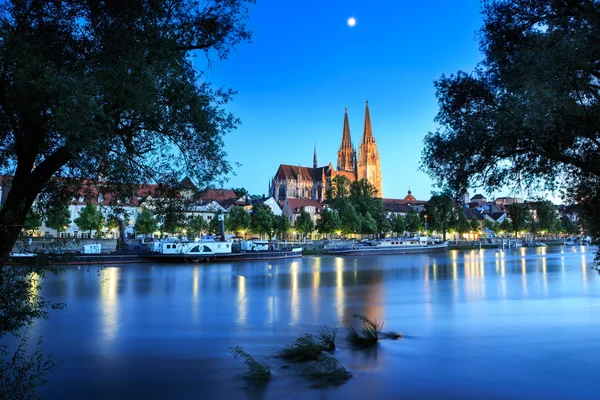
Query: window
{"type": "Point", "coordinates": [195, 249]}
{"type": "Point", "coordinates": [206, 249]}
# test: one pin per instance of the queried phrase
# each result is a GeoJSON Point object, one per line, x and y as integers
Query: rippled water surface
{"type": "Point", "coordinates": [479, 324]}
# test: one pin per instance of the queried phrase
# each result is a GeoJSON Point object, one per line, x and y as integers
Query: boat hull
{"type": "Point", "coordinates": [222, 257]}
{"type": "Point", "coordinates": [371, 251]}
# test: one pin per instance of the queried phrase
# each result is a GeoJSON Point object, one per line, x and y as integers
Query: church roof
{"type": "Point", "coordinates": [410, 197]}
{"type": "Point", "coordinates": [292, 172]}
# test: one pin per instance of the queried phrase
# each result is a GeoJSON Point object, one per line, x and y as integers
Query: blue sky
{"type": "Point", "coordinates": [305, 65]}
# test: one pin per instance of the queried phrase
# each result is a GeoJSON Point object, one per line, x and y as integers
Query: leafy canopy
{"type": "Point", "coordinates": [529, 114]}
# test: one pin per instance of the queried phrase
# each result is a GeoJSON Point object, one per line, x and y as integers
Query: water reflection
{"type": "Point", "coordinates": [109, 302]}
{"type": "Point", "coordinates": [460, 308]}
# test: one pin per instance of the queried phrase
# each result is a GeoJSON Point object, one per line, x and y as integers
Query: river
{"type": "Point", "coordinates": [488, 324]}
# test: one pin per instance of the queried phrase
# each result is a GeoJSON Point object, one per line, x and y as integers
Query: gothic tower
{"type": "Point", "coordinates": [346, 156]}
{"type": "Point", "coordinates": [369, 167]}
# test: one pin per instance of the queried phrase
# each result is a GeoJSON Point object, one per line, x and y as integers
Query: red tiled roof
{"type": "Point", "coordinates": [298, 204]}
{"type": "Point", "coordinates": [217, 195]}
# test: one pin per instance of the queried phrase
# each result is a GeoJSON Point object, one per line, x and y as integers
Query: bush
{"type": "Point", "coordinates": [303, 349]}
{"type": "Point", "coordinates": [257, 371]}
{"type": "Point", "coordinates": [327, 368]}
{"type": "Point", "coordinates": [327, 337]}
{"type": "Point", "coordinates": [369, 333]}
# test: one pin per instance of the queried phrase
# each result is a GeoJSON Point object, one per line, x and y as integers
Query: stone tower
{"type": "Point", "coordinates": [346, 155]}
{"type": "Point", "coordinates": [369, 167]}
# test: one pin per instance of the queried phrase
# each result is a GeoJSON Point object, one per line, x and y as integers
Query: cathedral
{"type": "Point", "coordinates": [297, 182]}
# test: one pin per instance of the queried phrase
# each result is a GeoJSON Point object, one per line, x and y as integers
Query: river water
{"type": "Point", "coordinates": [479, 324]}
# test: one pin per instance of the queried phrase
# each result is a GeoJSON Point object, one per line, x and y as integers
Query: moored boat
{"type": "Point", "coordinates": [393, 246]}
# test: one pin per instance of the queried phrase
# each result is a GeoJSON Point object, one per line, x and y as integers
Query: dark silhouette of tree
{"type": "Point", "coordinates": [329, 222]}
{"type": "Point", "coordinates": [238, 220]}
{"type": "Point", "coordinates": [58, 217]}
{"type": "Point", "coordinates": [304, 223]}
{"type": "Point", "coordinates": [146, 223]}
{"type": "Point", "coordinates": [529, 115]}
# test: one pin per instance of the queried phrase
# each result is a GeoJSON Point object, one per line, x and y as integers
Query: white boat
{"type": "Point", "coordinates": [393, 246]}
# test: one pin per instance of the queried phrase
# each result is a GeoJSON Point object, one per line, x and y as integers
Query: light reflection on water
{"type": "Point", "coordinates": [476, 320]}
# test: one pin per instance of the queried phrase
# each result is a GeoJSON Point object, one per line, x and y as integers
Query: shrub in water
{"type": "Point", "coordinates": [327, 337]}
{"type": "Point", "coordinates": [258, 371]}
{"type": "Point", "coordinates": [369, 333]}
{"type": "Point", "coordinates": [303, 349]}
{"type": "Point", "coordinates": [327, 368]}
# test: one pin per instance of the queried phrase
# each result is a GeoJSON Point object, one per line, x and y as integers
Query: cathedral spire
{"type": "Point", "coordinates": [368, 131]}
{"type": "Point", "coordinates": [346, 153]}
{"type": "Point", "coordinates": [315, 157]}
{"type": "Point", "coordinates": [346, 132]}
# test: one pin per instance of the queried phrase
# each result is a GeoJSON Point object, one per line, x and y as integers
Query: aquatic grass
{"type": "Point", "coordinates": [327, 368]}
{"type": "Point", "coordinates": [393, 335]}
{"type": "Point", "coordinates": [305, 348]}
{"type": "Point", "coordinates": [257, 371]}
{"type": "Point", "coordinates": [327, 337]}
{"type": "Point", "coordinates": [369, 333]}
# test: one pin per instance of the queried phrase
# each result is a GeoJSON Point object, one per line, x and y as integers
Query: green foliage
{"type": "Point", "coordinates": [568, 226]}
{"type": "Point", "coordinates": [339, 190]}
{"type": "Point", "coordinates": [24, 370]}
{"type": "Point", "coordinates": [368, 224]}
{"type": "Point", "coordinates": [462, 225]}
{"type": "Point", "coordinates": [261, 220]}
{"type": "Point", "coordinates": [327, 368]}
{"type": "Point", "coordinates": [369, 333]}
{"type": "Point", "coordinates": [256, 371]}
{"type": "Point", "coordinates": [547, 218]}
{"type": "Point", "coordinates": [90, 218]}
{"type": "Point", "coordinates": [398, 224]}
{"type": "Point", "coordinates": [413, 222]}
{"type": "Point", "coordinates": [238, 219]}
{"type": "Point", "coordinates": [171, 213]}
{"type": "Point", "coordinates": [528, 115]}
{"type": "Point", "coordinates": [304, 223]}
{"type": "Point", "coordinates": [440, 213]}
{"type": "Point", "coordinates": [33, 220]}
{"type": "Point", "coordinates": [326, 337]}
{"type": "Point", "coordinates": [329, 222]}
{"type": "Point", "coordinates": [58, 216]}
{"type": "Point", "coordinates": [506, 226]}
{"type": "Point", "coordinates": [145, 223]}
{"type": "Point", "coordinates": [474, 225]}
{"type": "Point", "coordinates": [349, 218]}
{"type": "Point", "coordinates": [519, 216]}
{"type": "Point", "coordinates": [281, 225]}
{"type": "Point", "coordinates": [196, 225]}
{"type": "Point", "coordinates": [304, 348]}
{"type": "Point", "coordinates": [492, 226]}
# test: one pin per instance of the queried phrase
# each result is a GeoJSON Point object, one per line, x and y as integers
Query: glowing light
{"type": "Point", "coordinates": [351, 22]}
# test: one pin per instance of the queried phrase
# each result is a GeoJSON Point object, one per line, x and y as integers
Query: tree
{"type": "Point", "coordinates": [238, 220]}
{"type": "Point", "coordinates": [506, 225]}
{"type": "Point", "coordinates": [261, 221]}
{"type": "Point", "coordinates": [568, 226]}
{"type": "Point", "coordinates": [547, 217]}
{"type": "Point", "coordinates": [474, 225]}
{"type": "Point", "coordinates": [439, 212]}
{"type": "Point", "coordinates": [109, 89]}
{"type": "Point", "coordinates": [33, 220]}
{"type": "Point", "coordinates": [368, 224]}
{"type": "Point", "coordinates": [304, 223]}
{"type": "Point", "coordinates": [281, 225]}
{"type": "Point", "coordinates": [462, 223]}
{"type": "Point", "coordinates": [530, 112]}
{"type": "Point", "coordinates": [90, 218]}
{"type": "Point", "coordinates": [145, 223]}
{"type": "Point", "coordinates": [519, 217]}
{"type": "Point", "coordinates": [413, 222]}
{"type": "Point", "coordinates": [492, 226]}
{"type": "Point", "coordinates": [398, 223]}
{"type": "Point", "coordinates": [196, 225]}
{"type": "Point", "coordinates": [58, 217]}
{"type": "Point", "coordinates": [329, 222]}
{"type": "Point", "coordinates": [214, 225]}
{"type": "Point", "coordinates": [349, 218]}
{"type": "Point", "coordinates": [339, 190]}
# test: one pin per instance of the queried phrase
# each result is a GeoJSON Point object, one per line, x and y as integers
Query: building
{"type": "Point", "coordinates": [300, 182]}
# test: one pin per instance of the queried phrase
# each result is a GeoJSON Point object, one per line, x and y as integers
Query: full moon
{"type": "Point", "coordinates": [351, 22]}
